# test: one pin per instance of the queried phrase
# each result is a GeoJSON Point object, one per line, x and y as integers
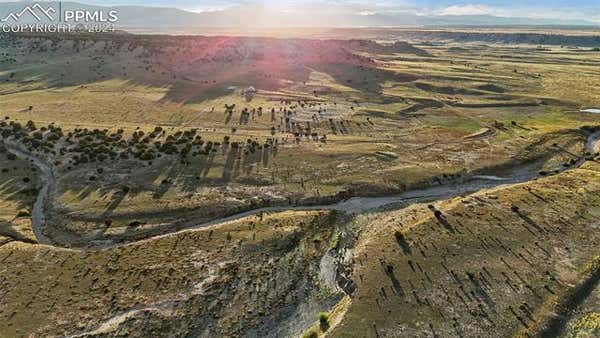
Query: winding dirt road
{"type": "Point", "coordinates": [355, 205]}
{"type": "Point", "coordinates": [38, 217]}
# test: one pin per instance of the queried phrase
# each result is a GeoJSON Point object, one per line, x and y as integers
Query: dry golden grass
{"type": "Point", "coordinates": [17, 193]}
{"type": "Point", "coordinates": [233, 276]}
{"type": "Point", "coordinates": [483, 268]}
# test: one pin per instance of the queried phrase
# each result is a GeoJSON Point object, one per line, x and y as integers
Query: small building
{"type": "Point", "coordinates": [249, 93]}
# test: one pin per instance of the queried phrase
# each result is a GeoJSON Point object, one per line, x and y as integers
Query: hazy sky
{"type": "Point", "coordinates": [585, 9]}
{"type": "Point", "coordinates": [552, 9]}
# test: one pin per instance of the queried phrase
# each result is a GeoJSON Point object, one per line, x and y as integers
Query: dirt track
{"type": "Point", "coordinates": [354, 205]}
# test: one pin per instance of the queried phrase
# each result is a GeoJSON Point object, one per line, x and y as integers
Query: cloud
{"type": "Point", "coordinates": [514, 11]}
{"type": "Point", "coordinates": [468, 10]}
{"type": "Point", "coordinates": [207, 9]}
{"type": "Point", "coordinates": [365, 13]}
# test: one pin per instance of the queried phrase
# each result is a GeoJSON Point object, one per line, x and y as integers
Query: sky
{"type": "Point", "coordinates": [554, 9]}
{"type": "Point", "coordinates": [551, 9]}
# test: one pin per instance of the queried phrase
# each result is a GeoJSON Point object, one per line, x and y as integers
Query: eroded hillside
{"type": "Point", "coordinates": [494, 263]}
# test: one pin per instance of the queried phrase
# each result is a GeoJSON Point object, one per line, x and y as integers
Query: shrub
{"type": "Point", "coordinates": [312, 333]}
{"type": "Point", "coordinates": [23, 213]}
{"type": "Point", "coordinates": [324, 320]}
{"type": "Point", "coordinates": [323, 317]}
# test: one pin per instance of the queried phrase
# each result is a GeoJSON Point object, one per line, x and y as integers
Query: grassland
{"type": "Point", "coordinates": [486, 264]}
{"type": "Point", "coordinates": [421, 109]}
{"type": "Point", "coordinates": [18, 180]}
{"type": "Point", "coordinates": [223, 280]}
{"type": "Point", "coordinates": [148, 136]}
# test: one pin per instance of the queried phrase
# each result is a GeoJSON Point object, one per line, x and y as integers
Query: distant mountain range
{"type": "Point", "coordinates": [248, 16]}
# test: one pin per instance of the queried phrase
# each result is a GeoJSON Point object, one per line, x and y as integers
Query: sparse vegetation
{"type": "Point", "coordinates": [137, 156]}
